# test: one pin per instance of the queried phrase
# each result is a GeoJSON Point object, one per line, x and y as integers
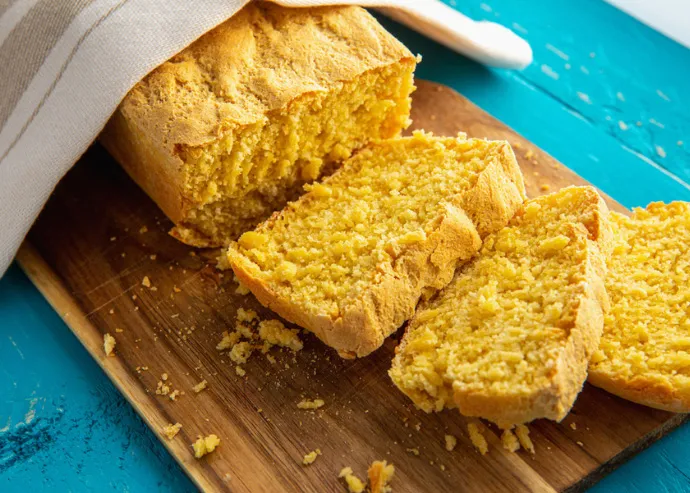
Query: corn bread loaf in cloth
{"type": "Point", "coordinates": [644, 354]}
{"type": "Point", "coordinates": [228, 130]}
{"type": "Point", "coordinates": [510, 338]}
{"type": "Point", "coordinates": [350, 259]}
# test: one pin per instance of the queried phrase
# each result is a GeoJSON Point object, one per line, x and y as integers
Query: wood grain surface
{"type": "Point", "coordinates": [100, 235]}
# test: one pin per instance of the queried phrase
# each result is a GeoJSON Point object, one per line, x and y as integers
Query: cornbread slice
{"type": "Point", "coordinates": [509, 339]}
{"type": "Point", "coordinates": [228, 130]}
{"type": "Point", "coordinates": [644, 354]}
{"type": "Point", "coordinates": [350, 259]}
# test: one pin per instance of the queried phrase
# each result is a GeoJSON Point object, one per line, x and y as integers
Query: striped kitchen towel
{"type": "Point", "coordinates": [65, 65]}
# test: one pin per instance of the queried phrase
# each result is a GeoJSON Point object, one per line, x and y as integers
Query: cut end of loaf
{"type": "Point", "coordinates": [350, 259]}
{"type": "Point", "coordinates": [250, 172]}
{"type": "Point", "coordinates": [644, 355]}
{"type": "Point", "coordinates": [509, 339]}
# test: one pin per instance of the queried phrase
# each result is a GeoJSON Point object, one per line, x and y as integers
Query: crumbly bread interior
{"type": "Point", "coordinates": [252, 170]}
{"type": "Point", "coordinates": [501, 327]}
{"type": "Point", "coordinates": [644, 353]}
{"type": "Point", "coordinates": [325, 249]}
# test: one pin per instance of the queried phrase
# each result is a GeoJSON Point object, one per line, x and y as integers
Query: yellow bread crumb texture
{"type": "Point", "coordinates": [309, 404]}
{"type": "Point", "coordinates": [108, 344]}
{"type": "Point", "coordinates": [500, 328]}
{"type": "Point", "coordinates": [205, 445]}
{"type": "Point", "coordinates": [450, 442]}
{"type": "Point", "coordinates": [333, 242]}
{"type": "Point", "coordinates": [354, 484]}
{"type": "Point", "coordinates": [380, 474]}
{"type": "Point", "coordinates": [510, 441]}
{"type": "Point", "coordinates": [200, 386]}
{"type": "Point", "coordinates": [171, 430]}
{"type": "Point", "coordinates": [311, 457]}
{"type": "Point", "coordinates": [477, 438]}
{"type": "Point", "coordinates": [644, 354]}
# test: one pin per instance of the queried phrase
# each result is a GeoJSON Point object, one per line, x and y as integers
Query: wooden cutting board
{"type": "Point", "coordinates": [100, 235]}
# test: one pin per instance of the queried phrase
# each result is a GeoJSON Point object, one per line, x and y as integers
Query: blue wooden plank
{"type": "Point", "coordinates": [63, 425]}
{"type": "Point", "coordinates": [69, 429]}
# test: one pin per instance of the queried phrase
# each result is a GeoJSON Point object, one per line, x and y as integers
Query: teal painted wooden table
{"type": "Point", "coordinates": [605, 95]}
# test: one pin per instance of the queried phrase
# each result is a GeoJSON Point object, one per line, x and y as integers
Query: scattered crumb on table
{"type": "Point", "coordinates": [205, 445]}
{"type": "Point", "coordinates": [311, 457]}
{"type": "Point", "coordinates": [451, 442]}
{"type": "Point", "coordinates": [108, 344]}
{"type": "Point", "coordinates": [307, 404]}
{"type": "Point", "coordinates": [200, 386]}
{"type": "Point", "coordinates": [170, 430]}
{"type": "Point", "coordinates": [241, 352]}
{"type": "Point", "coordinates": [146, 282]}
{"type": "Point", "coordinates": [143, 230]}
{"type": "Point", "coordinates": [240, 371]}
{"type": "Point", "coordinates": [477, 438]}
{"type": "Point", "coordinates": [573, 425]}
{"type": "Point", "coordinates": [173, 395]}
{"type": "Point", "coordinates": [522, 433]}
{"type": "Point", "coordinates": [414, 451]}
{"type": "Point", "coordinates": [354, 484]}
{"type": "Point", "coordinates": [510, 441]}
{"type": "Point", "coordinates": [380, 474]}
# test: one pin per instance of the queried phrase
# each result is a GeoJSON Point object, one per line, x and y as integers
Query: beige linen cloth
{"type": "Point", "coordinates": [65, 65]}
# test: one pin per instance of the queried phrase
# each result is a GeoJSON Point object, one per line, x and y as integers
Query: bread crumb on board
{"type": "Point", "coordinates": [146, 282]}
{"type": "Point", "coordinates": [354, 484]}
{"type": "Point", "coordinates": [249, 327]}
{"type": "Point", "coordinates": [307, 404]}
{"type": "Point", "coordinates": [108, 344]}
{"type": "Point", "coordinates": [200, 386]}
{"type": "Point", "coordinates": [522, 433]}
{"type": "Point", "coordinates": [380, 475]}
{"type": "Point", "coordinates": [477, 438]}
{"type": "Point", "coordinates": [241, 352]}
{"type": "Point", "coordinates": [274, 333]}
{"type": "Point", "coordinates": [510, 441]}
{"type": "Point", "coordinates": [205, 445]}
{"type": "Point", "coordinates": [173, 395]}
{"type": "Point", "coordinates": [451, 442]}
{"type": "Point", "coordinates": [171, 430]}
{"type": "Point", "coordinates": [240, 371]}
{"type": "Point", "coordinates": [573, 426]}
{"type": "Point", "coordinates": [414, 451]}
{"type": "Point", "coordinates": [311, 457]}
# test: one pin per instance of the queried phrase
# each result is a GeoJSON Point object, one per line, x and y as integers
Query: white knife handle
{"type": "Point", "coordinates": [486, 42]}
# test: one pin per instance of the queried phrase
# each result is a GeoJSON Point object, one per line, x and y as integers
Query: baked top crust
{"type": "Point", "coordinates": [259, 60]}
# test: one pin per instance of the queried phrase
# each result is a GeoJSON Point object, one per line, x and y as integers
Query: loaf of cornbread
{"type": "Point", "coordinates": [644, 354]}
{"type": "Point", "coordinates": [228, 130]}
{"type": "Point", "coordinates": [509, 339]}
{"type": "Point", "coordinates": [350, 259]}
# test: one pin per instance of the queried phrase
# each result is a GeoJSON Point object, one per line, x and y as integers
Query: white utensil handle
{"type": "Point", "coordinates": [486, 42]}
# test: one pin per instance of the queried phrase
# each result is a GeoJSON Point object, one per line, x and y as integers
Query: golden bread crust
{"type": "Point", "coordinates": [259, 61]}
{"type": "Point", "coordinates": [551, 399]}
{"type": "Point", "coordinates": [643, 353]}
{"type": "Point", "coordinates": [373, 314]}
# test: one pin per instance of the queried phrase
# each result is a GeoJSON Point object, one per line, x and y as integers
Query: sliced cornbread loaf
{"type": "Point", "coordinates": [510, 337]}
{"type": "Point", "coordinates": [228, 130]}
{"type": "Point", "coordinates": [350, 259]}
{"type": "Point", "coordinates": [644, 354]}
